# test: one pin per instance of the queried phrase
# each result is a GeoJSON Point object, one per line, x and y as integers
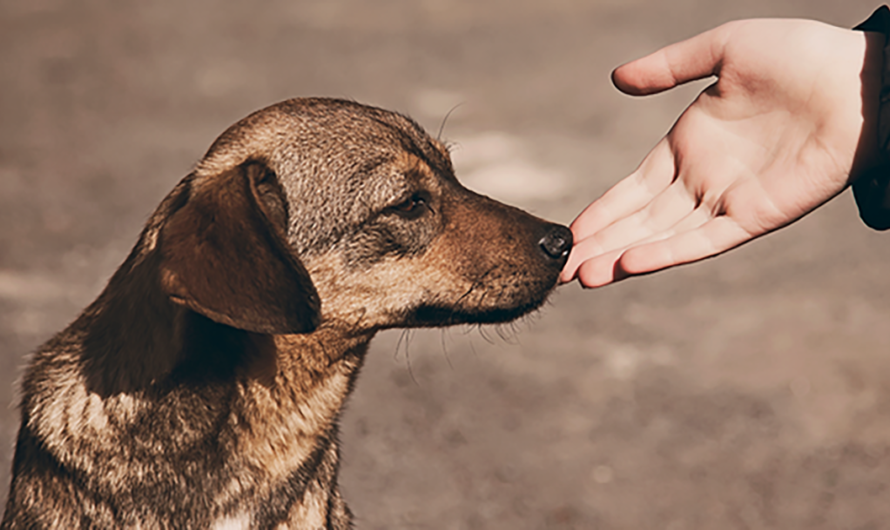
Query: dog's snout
{"type": "Point", "coordinates": [557, 243]}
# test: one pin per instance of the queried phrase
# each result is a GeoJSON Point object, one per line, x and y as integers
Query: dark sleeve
{"type": "Point", "coordinates": [872, 190]}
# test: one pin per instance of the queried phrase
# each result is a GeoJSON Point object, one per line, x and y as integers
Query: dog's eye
{"type": "Point", "coordinates": [413, 206]}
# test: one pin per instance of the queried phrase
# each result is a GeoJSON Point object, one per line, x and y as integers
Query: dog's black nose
{"type": "Point", "coordinates": [557, 243]}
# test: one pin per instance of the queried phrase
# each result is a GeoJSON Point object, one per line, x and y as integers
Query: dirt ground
{"type": "Point", "coordinates": [750, 391]}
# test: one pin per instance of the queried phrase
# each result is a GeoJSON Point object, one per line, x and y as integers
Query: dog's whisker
{"type": "Point", "coordinates": [405, 338]}
{"type": "Point", "coordinates": [484, 335]}
{"type": "Point", "coordinates": [408, 357]}
{"type": "Point", "coordinates": [461, 298]}
{"type": "Point", "coordinates": [457, 307]}
{"type": "Point", "coordinates": [472, 346]}
{"type": "Point", "coordinates": [444, 347]}
{"type": "Point", "coordinates": [445, 120]}
{"type": "Point", "coordinates": [402, 337]}
{"type": "Point", "coordinates": [504, 333]}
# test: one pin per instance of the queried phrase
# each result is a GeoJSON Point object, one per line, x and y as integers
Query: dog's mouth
{"type": "Point", "coordinates": [485, 304]}
{"type": "Point", "coordinates": [437, 316]}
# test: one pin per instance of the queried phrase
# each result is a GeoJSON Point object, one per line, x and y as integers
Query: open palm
{"type": "Point", "coordinates": [779, 133]}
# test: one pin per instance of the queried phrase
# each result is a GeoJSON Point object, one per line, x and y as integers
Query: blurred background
{"type": "Point", "coordinates": [750, 391]}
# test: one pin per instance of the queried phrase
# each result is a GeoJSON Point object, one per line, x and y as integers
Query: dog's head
{"type": "Point", "coordinates": [317, 211]}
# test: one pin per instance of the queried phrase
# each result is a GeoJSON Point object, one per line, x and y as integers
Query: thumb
{"type": "Point", "coordinates": [689, 60]}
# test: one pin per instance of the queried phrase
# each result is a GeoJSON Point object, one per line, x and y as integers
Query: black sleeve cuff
{"type": "Point", "coordinates": [872, 190]}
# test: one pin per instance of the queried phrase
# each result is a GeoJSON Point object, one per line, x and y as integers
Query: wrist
{"type": "Point", "coordinates": [869, 152]}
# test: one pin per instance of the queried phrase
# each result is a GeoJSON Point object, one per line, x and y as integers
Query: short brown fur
{"type": "Point", "coordinates": [202, 388]}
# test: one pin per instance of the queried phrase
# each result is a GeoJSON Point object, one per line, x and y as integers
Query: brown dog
{"type": "Point", "coordinates": [202, 388]}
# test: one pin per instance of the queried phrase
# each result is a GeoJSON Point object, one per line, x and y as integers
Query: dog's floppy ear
{"type": "Point", "coordinates": [224, 254]}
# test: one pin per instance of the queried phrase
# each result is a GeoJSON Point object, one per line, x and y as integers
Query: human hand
{"type": "Point", "coordinates": [778, 134]}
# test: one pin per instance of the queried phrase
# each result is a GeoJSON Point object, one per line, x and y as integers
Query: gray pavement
{"type": "Point", "coordinates": [749, 391]}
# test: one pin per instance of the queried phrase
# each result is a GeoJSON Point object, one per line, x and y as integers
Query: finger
{"type": "Point", "coordinates": [654, 174]}
{"type": "Point", "coordinates": [660, 215]}
{"type": "Point", "coordinates": [713, 237]}
{"type": "Point", "coordinates": [599, 271]}
{"type": "Point", "coordinates": [688, 60]}
{"type": "Point", "coordinates": [582, 251]}
{"type": "Point", "coordinates": [602, 268]}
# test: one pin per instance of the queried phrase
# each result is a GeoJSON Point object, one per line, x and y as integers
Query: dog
{"type": "Point", "coordinates": [203, 387]}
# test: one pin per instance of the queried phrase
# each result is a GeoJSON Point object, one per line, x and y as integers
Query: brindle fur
{"type": "Point", "coordinates": [202, 388]}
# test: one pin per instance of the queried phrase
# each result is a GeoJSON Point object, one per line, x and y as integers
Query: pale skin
{"type": "Point", "coordinates": [787, 125]}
